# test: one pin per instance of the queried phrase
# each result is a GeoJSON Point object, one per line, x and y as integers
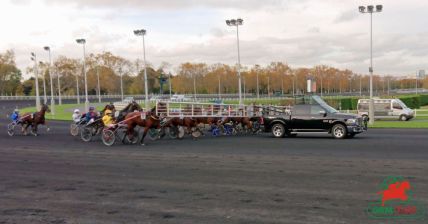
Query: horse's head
{"type": "Point", "coordinates": [45, 108]}
{"type": "Point", "coordinates": [405, 185]}
{"type": "Point", "coordinates": [135, 106]}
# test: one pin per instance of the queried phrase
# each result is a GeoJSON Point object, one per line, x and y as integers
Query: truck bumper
{"type": "Point", "coordinates": [356, 129]}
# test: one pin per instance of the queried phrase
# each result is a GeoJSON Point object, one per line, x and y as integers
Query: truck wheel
{"type": "Point", "coordinates": [339, 131]}
{"type": "Point", "coordinates": [403, 117]}
{"type": "Point", "coordinates": [278, 130]}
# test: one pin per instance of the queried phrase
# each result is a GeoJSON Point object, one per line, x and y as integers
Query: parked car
{"type": "Point", "coordinates": [179, 98]}
{"type": "Point", "coordinates": [128, 99]}
{"type": "Point", "coordinates": [386, 108]}
{"type": "Point", "coordinates": [315, 116]}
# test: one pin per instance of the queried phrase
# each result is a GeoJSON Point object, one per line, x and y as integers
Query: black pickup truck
{"type": "Point", "coordinates": [316, 116]}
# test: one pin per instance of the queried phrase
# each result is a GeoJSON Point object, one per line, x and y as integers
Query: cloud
{"type": "Point", "coordinates": [168, 4]}
{"type": "Point", "coordinates": [302, 33]}
{"type": "Point", "coordinates": [347, 16]}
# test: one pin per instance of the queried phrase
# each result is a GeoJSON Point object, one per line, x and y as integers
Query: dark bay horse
{"type": "Point", "coordinates": [131, 107]}
{"type": "Point", "coordinates": [147, 120]}
{"type": "Point", "coordinates": [34, 119]}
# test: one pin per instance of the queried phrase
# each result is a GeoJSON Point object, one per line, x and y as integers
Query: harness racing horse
{"type": "Point", "coordinates": [245, 122]}
{"type": "Point", "coordinates": [34, 119]}
{"type": "Point", "coordinates": [131, 107]}
{"type": "Point", "coordinates": [143, 119]}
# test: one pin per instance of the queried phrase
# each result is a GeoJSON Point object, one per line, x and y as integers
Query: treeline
{"type": "Point", "coordinates": [274, 79]}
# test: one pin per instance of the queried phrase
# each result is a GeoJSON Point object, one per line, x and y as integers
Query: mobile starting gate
{"type": "Point", "coordinates": [191, 109]}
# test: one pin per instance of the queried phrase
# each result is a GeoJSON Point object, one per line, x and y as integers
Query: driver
{"type": "Point", "coordinates": [108, 119]}
{"type": "Point", "coordinates": [15, 116]}
{"type": "Point", "coordinates": [76, 116]}
{"type": "Point", "coordinates": [91, 115]}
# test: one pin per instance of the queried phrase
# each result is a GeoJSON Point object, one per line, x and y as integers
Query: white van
{"type": "Point", "coordinates": [179, 98]}
{"type": "Point", "coordinates": [386, 108]}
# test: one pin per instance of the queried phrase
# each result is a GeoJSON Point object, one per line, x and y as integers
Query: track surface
{"type": "Point", "coordinates": [55, 178]}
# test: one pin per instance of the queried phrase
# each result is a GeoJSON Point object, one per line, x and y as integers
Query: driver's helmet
{"type": "Point", "coordinates": [76, 111]}
{"type": "Point", "coordinates": [108, 112]}
{"type": "Point", "coordinates": [16, 110]}
{"type": "Point", "coordinates": [91, 108]}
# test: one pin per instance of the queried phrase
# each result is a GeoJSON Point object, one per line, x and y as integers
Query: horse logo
{"type": "Point", "coordinates": [397, 190]}
{"type": "Point", "coordinates": [395, 201]}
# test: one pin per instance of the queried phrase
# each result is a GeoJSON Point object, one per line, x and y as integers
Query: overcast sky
{"type": "Point", "coordinates": [299, 32]}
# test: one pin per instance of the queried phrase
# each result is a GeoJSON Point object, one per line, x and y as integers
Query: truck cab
{"type": "Point", "coordinates": [314, 116]}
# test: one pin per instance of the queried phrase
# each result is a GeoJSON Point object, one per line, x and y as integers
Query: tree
{"type": "Point", "coordinates": [10, 75]}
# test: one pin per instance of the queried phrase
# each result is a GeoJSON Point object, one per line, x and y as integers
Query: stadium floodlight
{"type": "Point", "coordinates": [370, 10]}
{"type": "Point", "coordinates": [142, 33]}
{"type": "Point", "coordinates": [48, 49]}
{"type": "Point", "coordinates": [237, 22]}
{"type": "Point", "coordinates": [83, 42]}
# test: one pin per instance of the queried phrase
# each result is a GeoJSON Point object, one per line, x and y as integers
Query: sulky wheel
{"type": "Point", "coordinates": [86, 134]}
{"type": "Point", "coordinates": [11, 129]}
{"type": "Point", "coordinates": [108, 137]}
{"type": "Point", "coordinates": [74, 129]}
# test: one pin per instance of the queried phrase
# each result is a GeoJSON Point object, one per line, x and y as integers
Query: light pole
{"type": "Point", "coordinates": [142, 33]}
{"type": "Point", "coordinates": [268, 87]}
{"type": "Point", "coordinates": [320, 73]}
{"type": "Point", "coordinates": [121, 83]}
{"type": "Point", "coordinates": [34, 58]}
{"type": "Point", "coordinates": [194, 86]}
{"type": "Point", "coordinates": [219, 87]}
{"type": "Point", "coordinates": [77, 88]}
{"type": "Point", "coordinates": [294, 87]}
{"type": "Point", "coordinates": [170, 85]}
{"type": "Point", "coordinates": [83, 42]}
{"type": "Point", "coordinates": [257, 81]}
{"type": "Point", "coordinates": [98, 84]}
{"type": "Point", "coordinates": [370, 10]}
{"type": "Point", "coordinates": [48, 49]}
{"type": "Point", "coordinates": [282, 85]}
{"type": "Point", "coordinates": [237, 23]}
{"type": "Point", "coordinates": [45, 98]}
{"type": "Point", "coordinates": [416, 83]}
{"type": "Point", "coordinates": [244, 89]}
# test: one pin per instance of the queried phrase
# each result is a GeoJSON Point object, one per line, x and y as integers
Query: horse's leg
{"type": "Point", "coordinates": [35, 129]}
{"type": "Point", "coordinates": [146, 129]}
{"type": "Point", "coordinates": [24, 128]}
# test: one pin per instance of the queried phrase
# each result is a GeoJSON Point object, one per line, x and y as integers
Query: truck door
{"type": "Point", "coordinates": [397, 109]}
{"type": "Point", "coordinates": [300, 115]}
{"type": "Point", "coordinates": [308, 117]}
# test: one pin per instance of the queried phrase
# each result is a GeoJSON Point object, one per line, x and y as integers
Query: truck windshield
{"type": "Point", "coordinates": [401, 103]}
{"type": "Point", "coordinates": [324, 105]}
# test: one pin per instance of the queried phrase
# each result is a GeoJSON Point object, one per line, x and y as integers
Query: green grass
{"type": "Point", "coordinates": [420, 122]}
{"type": "Point", "coordinates": [62, 112]}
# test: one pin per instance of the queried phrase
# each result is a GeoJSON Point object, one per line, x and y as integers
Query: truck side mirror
{"type": "Point", "coordinates": [323, 113]}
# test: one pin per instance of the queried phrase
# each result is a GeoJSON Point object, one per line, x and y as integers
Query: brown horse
{"type": "Point", "coordinates": [131, 107]}
{"type": "Point", "coordinates": [244, 121]}
{"type": "Point", "coordinates": [143, 119]}
{"type": "Point", "coordinates": [34, 119]}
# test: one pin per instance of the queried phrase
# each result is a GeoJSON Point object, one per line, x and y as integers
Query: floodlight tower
{"type": "Point", "coordinates": [48, 49]}
{"type": "Point", "coordinates": [83, 42]}
{"type": "Point", "coordinates": [371, 9]}
{"type": "Point", "coordinates": [237, 22]}
{"type": "Point", "coordinates": [142, 33]}
{"type": "Point", "coordinates": [34, 58]}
